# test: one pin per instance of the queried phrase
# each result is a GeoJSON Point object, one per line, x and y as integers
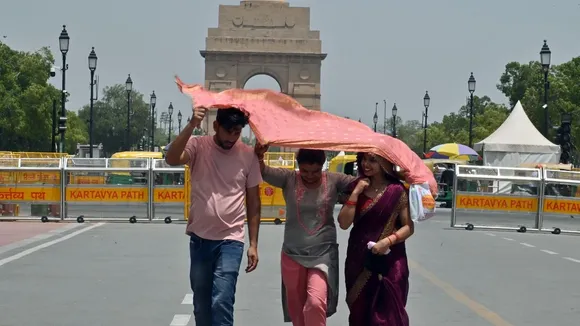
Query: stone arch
{"type": "Point", "coordinates": [264, 72]}
{"type": "Point", "coordinates": [261, 37]}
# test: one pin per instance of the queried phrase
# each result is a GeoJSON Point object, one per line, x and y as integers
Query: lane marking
{"type": "Point", "coordinates": [492, 317]}
{"type": "Point", "coordinates": [572, 259]}
{"type": "Point", "coordinates": [490, 234]}
{"type": "Point", "coordinates": [549, 252]}
{"type": "Point", "coordinates": [47, 244]}
{"type": "Point", "coordinates": [188, 299]}
{"type": "Point", "coordinates": [509, 239]}
{"type": "Point", "coordinates": [36, 238]}
{"type": "Point", "coordinates": [527, 245]}
{"type": "Point", "coordinates": [180, 320]}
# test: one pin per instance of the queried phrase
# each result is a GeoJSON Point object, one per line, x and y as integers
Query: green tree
{"type": "Point", "coordinates": [454, 127]}
{"type": "Point", "coordinates": [525, 83]}
{"type": "Point", "coordinates": [26, 100]}
{"type": "Point", "coordinates": [110, 120]}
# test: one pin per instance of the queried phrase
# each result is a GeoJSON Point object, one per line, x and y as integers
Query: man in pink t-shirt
{"type": "Point", "coordinates": [225, 174]}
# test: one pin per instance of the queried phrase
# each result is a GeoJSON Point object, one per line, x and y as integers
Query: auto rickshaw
{"type": "Point", "coordinates": [343, 163]}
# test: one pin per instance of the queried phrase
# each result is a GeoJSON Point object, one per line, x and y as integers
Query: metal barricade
{"type": "Point", "coordinates": [168, 195]}
{"type": "Point", "coordinates": [496, 198]}
{"type": "Point", "coordinates": [30, 188]}
{"type": "Point", "coordinates": [124, 195]}
{"type": "Point", "coordinates": [560, 201]}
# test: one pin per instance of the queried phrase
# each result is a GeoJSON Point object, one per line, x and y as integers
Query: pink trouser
{"type": "Point", "coordinates": [306, 293]}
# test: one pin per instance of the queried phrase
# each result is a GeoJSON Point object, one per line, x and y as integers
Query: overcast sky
{"type": "Point", "coordinates": [387, 49]}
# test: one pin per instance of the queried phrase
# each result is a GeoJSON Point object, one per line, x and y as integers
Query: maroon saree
{"type": "Point", "coordinates": [377, 285]}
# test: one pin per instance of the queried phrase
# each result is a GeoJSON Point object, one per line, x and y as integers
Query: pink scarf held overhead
{"type": "Point", "coordinates": [278, 119]}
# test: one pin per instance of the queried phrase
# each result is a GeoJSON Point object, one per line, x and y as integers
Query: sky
{"type": "Point", "coordinates": [389, 49]}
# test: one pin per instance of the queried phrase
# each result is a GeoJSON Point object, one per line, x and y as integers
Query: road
{"type": "Point", "coordinates": [89, 274]}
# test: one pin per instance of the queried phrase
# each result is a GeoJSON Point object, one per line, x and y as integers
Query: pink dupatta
{"type": "Point", "coordinates": [278, 119]}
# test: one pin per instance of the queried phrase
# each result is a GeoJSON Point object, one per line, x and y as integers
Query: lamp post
{"type": "Point", "coordinates": [376, 116]}
{"type": "Point", "coordinates": [394, 112]}
{"type": "Point", "coordinates": [426, 102]}
{"type": "Point", "coordinates": [64, 42]}
{"type": "Point", "coordinates": [471, 88]}
{"type": "Point", "coordinates": [152, 102]}
{"type": "Point", "coordinates": [129, 89]}
{"type": "Point", "coordinates": [179, 116]}
{"type": "Point", "coordinates": [92, 68]}
{"type": "Point", "coordinates": [170, 113]}
{"type": "Point", "coordinates": [385, 117]}
{"type": "Point", "coordinates": [546, 57]}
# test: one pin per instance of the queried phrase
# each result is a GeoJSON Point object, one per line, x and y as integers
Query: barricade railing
{"type": "Point", "coordinates": [124, 195]}
{"type": "Point", "coordinates": [168, 195]}
{"type": "Point", "coordinates": [521, 199]}
{"type": "Point", "coordinates": [140, 189]}
{"type": "Point", "coordinates": [30, 187]}
{"type": "Point", "coordinates": [496, 198]}
{"type": "Point", "coordinates": [560, 201]}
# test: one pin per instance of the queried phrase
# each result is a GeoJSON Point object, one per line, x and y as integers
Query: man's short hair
{"type": "Point", "coordinates": [230, 118]}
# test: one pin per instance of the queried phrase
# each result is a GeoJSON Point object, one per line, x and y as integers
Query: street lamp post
{"type": "Point", "coordinates": [394, 111]}
{"type": "Point", "coordinates": [426, 102]}
{"type": "Point", "coordinates": [170, 113]}
{"type": "Point", "coordinates": [376, 116]}
{"type": "Point", "coordinates": [179, 116]}
{"type": "Point", "coordinates": [92, 68]}
{"type": "Point", "coordinates": [129, 89]}
{"type": "Point", "coordinates": [64, 42]}
{"type": "Point", "coordinates": [152, 102]}
{"type": "Point", "coordinates": [471, 88]}
{"type": "Point", "coordinates": [385, 117]}
{"type": "Point", "coordinates": [546, 57]}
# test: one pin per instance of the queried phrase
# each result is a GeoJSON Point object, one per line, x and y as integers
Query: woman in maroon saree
{"type": "Point", "coordinates": [377, 279]}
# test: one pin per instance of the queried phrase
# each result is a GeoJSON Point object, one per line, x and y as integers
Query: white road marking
{"type": "Point", "coordinates": [509, 239]}
{"type": "Point", "coordinates": [490, 234]}
{"type": "Point", "coordinates": [527, 245]}
{"type": "Point", "coordinates": [572, 259]}
{"type": "Point", "coordinates": [43, 236]}
{"type": "Point", "coordinates": [180, 320]}
{"type": "Point", "coordinates": [188, 299]}
{"type": "Point", "coordinates": [549, 252]}
{"type": "Point", "coordinates": [47, 244]}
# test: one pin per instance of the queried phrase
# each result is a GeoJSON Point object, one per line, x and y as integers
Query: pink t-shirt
{"type": "Point", "coordinates": [219, 179]}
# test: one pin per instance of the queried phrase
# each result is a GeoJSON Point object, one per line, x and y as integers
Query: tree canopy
{"type": "Point", "coordinates": [26, 101]}
{"type": "Point", "coordinates": [110, 120]}
{"type": "Point", "coordinates": [525, 82]}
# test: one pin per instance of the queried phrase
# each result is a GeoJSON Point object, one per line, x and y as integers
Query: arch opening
{"type": "Point", "coordinates": [258, 81]}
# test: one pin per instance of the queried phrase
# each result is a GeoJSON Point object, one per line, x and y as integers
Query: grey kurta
{"type": "Point", "coordinates": [309, 238]}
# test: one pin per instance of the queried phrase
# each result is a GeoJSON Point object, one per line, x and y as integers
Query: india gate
{"type": "Point", "coordinates": [261, 37]}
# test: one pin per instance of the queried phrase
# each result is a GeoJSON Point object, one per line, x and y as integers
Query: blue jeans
{"type": "Point", "coordinates": [215, 266]}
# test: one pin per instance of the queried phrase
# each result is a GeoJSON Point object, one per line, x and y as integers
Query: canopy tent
{"type": "Point", "coordinates": [517, 141]}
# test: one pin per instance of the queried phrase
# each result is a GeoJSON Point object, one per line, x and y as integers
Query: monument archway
{"type": "Point", "coordinates": [264, 37]}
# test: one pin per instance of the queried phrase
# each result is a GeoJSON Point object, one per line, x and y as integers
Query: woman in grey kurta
{"type": "Point", "coordinates": [310, 247]}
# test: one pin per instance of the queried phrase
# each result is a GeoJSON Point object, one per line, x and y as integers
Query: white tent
{"type": "Point", "coordinates": [517, 141]}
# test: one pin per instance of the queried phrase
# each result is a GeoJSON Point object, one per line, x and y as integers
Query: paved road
{"type": "Point", "coordinates": [122, 274]}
